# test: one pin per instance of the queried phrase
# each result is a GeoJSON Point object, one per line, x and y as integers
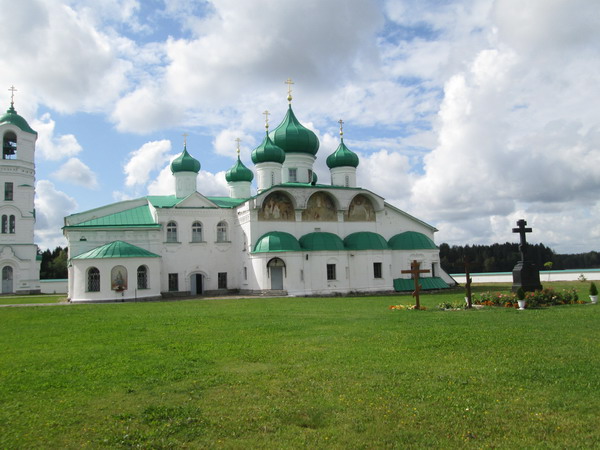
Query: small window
{"type": "Point", "coordinates": [272, 178]}
{"type": "Point", "coordinates": [222, 231]}
{"type": "Point", "coordinates": [293, 175]}
{"type": "Point", "coordinates": [4, 224]}
{"type": "Point", "coordinates": [245, 273]}
{"type": "Point", "coordinates": [142, 277]}
{"type": "Point", "coordinates": [197, 232]}
{"type": "Point", "coordinates": [93, 280]}
{"type": "Point", "coordinates": [171, 232]}
{"type": "Point", "coordinates": [173, 282]}
{"type": "Point", "coordinates": [331, 272]}
{"type": "Point", "coordinates": [377, 270]}
{"type": "Point", "coordinates": [8, 191]}
{"type": "Point", "coordinates": [222, 280]}
{"type": "Point", "coordinates": [12, 225]}
{"type": "Point", "coordinates": [347, 181]}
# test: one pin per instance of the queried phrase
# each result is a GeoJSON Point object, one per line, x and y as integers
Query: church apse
{"type": "Point", "coordinates": [277, 207]}
{"type": "Point", "coordinates": [320, 208]}
{"type": "Point", "coordinates": [360, 210]}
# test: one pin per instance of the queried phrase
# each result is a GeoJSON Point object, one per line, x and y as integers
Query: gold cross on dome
{"type": "Point", "coordinates": [12, 94]}
{"type": "Point", "coordinates": [267, 114]}
{"type": "Point", "coordinates": [238, 140]}
{"type": "Point", "coordinates": [341, 122]}
{"type": "Point", "coordinates": [289, 82]}
{"type": "Point", "coordinates": [185, 135]}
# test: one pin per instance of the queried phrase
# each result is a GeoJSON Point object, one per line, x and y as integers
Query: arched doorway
{"type": "Point", "coordinates": [276, 268]}
{"type": "Point", "coordinates": [196, 284]}
{"type": "Point", "coordinates": [7, 280]}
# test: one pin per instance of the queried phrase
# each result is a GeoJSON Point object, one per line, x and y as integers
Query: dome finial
{"type": "Point", "coordinates": [289, 82]}
{"type": "Point", "coordinates": [341, 122]}
{"type": "Point", "coordinates": [238, 140]}
{"type": "Point", "coordinates": [267, 114]}
{"type": "Point", "coordinates": [12, 96]}
{"type": "Point", "coordinates": [185, 135]}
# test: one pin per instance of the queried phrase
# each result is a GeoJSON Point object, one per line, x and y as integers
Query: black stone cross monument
{"type": "Point", "coordinates": [525, 274]}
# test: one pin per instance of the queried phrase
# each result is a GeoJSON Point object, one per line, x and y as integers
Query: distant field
{"type": "Point", "coordinates": [299, 373]}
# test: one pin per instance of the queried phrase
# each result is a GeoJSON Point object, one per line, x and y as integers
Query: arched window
{"type": "Point", "coordinates": [11, 224]}
{"type": "Point", "coordinates": [142, 277]}
{"type": "Point", "coordinates": [222, 231]}
{"type": "Point", "coordinates": [4, 224]}
{"type": "Point", "coordinates": [9, 146]}
{"type": "Point", "coordinates": [93, 280]}
{"type": "Point", "coordinates": [197, 232]}
{"type": "Point", "coordinates": [171, 232]}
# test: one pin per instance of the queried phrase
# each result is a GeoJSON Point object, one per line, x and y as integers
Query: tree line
{"type": "Point", "coordinates": [503, 257]}
{"type": "Point", "coordinates": [482, 258]}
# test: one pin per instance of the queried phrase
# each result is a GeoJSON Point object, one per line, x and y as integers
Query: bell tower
{"type": "Point", "coordinates": [19, 264]}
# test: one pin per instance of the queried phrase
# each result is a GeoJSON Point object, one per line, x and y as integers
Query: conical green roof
{"type": "Point", "coordinates": [13, 118]}
{"type": "Point", "coordinates": [185, 163]}
{"type": "Point", "coordinates": [342, 157]}
{"type": "Point", "coordinates": [268, 152]}
{"type": "Point", "coordinates": [293, 137]}
{"type": "Point", "coordinates": [239, 172]}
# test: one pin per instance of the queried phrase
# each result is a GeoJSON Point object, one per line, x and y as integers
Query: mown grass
{"type": "Point", "coordinates": [297, 373]}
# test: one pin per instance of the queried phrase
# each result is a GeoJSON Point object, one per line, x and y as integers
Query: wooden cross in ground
{"type": "Point", "coordinates": [522, 230]}
{"type": "Point", "coordinates": [415, 271]}
{"type": "Point", "coordinates": [468, 282]}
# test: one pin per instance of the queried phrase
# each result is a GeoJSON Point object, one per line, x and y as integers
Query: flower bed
{"type": "Point", "coordinates": [545, 297]}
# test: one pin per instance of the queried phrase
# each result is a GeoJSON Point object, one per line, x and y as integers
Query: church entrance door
{"type": "Point", "coordinates": [276, 267]}
{"type": "Point", "coordinates": [7, 280]}
{"type": "Point", "coordinates": [277, 278]}
{"type": "Point", "coordinates": [197, 284]}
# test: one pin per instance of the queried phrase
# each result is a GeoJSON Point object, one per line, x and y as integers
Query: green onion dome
{"type": "Point", "coordinates": [315, 178]}
{"type": "Point", "coordinates": [239, 172]}
{"type": "Point", "coordinates": [13, 118]}
{"type": "Point", "coordinates": [268, 152]}
{"type": "Point", "coordinates": [342, 157]}
{"type": "Point", "coordinates": [185, 163]}
{"type": "Point", "coordinates": [293, 137]}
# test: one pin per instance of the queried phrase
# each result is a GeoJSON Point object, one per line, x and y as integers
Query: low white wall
{"type": "Point", "coordinates": [54, 286]}
{"type": "Point", "coordinates": [545, 275]}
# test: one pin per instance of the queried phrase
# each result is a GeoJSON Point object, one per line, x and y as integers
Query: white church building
{"type": "Point", "coordinates": [295, 236]}
{"type": "Point", "coordinates": [19, 260]}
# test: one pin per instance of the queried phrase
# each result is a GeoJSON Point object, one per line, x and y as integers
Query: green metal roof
{"type": "Point", "coordinates": [293, 137]}
{"type": "Point", "coordinates": [404, 284]}
{"type": "Point", "coordinates": [185, 163]}
{"type": "Point", "coordinates": [321, 241]}
{"type": "Point", "coordinates": [342, 157]}
{"type": "Point", "coordinates": [239, 172]}
{"type": "Point", "coordinates": [411, 240]}
{"type": "Point", "coordinates": [365, 240]}
{"type": "Point", "coordinates": [13, 118]}
{"type": "Point", "coordinates": [277, 241]}
{"type": "Point", "coordinates": [117, 249]}
{"type": "Point", "coordinates": [138, 217]}
{"type": "Point", "coordinates": [169, 201]}
{"type": "Point", "coordinates": [268, 152]}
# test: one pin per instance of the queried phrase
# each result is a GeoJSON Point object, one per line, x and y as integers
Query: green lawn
{"type": "Point", "coordinates": [299, 373]}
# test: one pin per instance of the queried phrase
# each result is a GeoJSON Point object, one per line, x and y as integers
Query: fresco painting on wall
{"type": "Point", "coordinates": [360, 210]}
{"type": "Point", "coordinates": [277, 206]}
{"type": "Point", "coordinates": [320, 207]}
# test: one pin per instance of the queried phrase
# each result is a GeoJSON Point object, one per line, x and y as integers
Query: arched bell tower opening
{"type": "Point", "coordinates": [9, 145]}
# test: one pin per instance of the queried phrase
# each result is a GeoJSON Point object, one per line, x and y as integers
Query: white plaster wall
{"type": "Point", "coordinates": [78, 275]}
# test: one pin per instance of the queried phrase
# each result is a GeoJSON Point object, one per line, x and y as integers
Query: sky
{"type": "Point", "coordinates": [469, 115]}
